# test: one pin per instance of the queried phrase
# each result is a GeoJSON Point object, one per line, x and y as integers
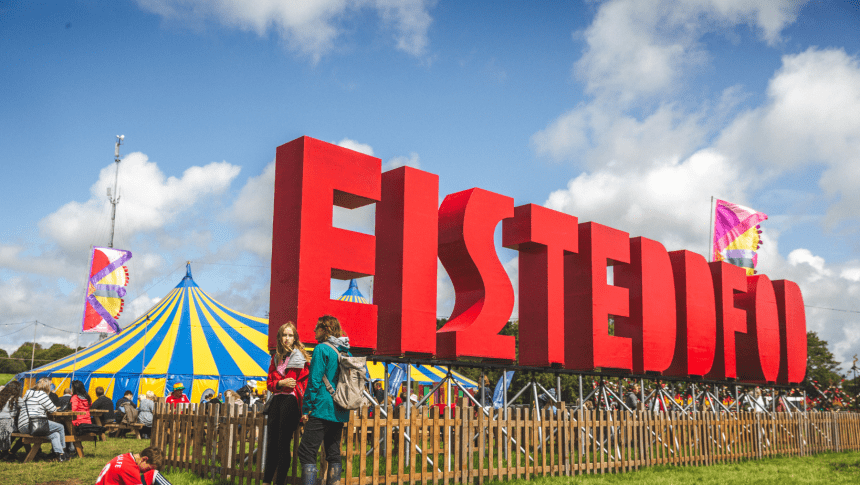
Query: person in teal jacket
{"type": "Point", "coordinates": [323, 419]}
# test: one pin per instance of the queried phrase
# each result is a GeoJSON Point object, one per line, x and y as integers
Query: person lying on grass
{"type": "Point", "coordinates": [134, 469]}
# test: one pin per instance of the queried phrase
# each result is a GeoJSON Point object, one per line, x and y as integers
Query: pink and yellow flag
{"type": "Point", "coordinates": [737, 235]}
{"type": "Point", "coordinates": [105, 289]}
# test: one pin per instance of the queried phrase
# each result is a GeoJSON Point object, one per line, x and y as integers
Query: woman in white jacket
{"type": "Point", "coordinates": [36, 404]}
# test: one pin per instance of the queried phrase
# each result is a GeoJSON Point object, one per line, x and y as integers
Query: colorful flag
{"type": "Point", "coordinates": [105, 289]}
{"type": "Point", "coordinates": [395, 379]}
{"type": "Point", "coordinates": [737, 235]}
{"type": "Point", "coordinates": [501, 388]}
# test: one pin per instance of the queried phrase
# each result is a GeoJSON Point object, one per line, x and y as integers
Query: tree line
{"type": "Point", "coordinates": [20, 359]}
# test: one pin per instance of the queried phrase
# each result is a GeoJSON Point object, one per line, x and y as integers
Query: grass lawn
{"type": "Point", "coordinates": [830, 468]}
{"type": "Point", "coordinates": [4, 378]}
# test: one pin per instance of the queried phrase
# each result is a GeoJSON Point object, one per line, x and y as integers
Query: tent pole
{"type": "Point", "coordinates": [75, 365]}
{"type": "Point", "coordinates": [408, 395]}
{"type": "Point", "coordinates": [385, 386]}
{"type": "Point", "coordinates": [33, 355]}
{"type": "Point", "coordinates": [711, 231]}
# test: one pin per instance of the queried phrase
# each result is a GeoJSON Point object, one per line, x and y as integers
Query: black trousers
{"type": "Point", "coordinates": [284, 414]}
{"type": "Point", "coordinates": [319, 431]}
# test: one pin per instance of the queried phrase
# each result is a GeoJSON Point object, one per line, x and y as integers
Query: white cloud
{"type": "Point", "coordinates": [851, 273]}
{"type": "Point", "coordinates": [444, 292]}
{"type": "Point", "coordinates": [356, 146]}
{"type": "Point", "coordinates": [811, 116]}
{"type": "Point", "coordinates": [400, 161]}
{"type": "Point", "coordinates": [512, 268]}
{"type": "Point", "coordinates": [641, 48]}
{"type": "Point", "coordinates": [252, 211]}
{"type": "Point", "coordinates": [310, 27]}
{"type": "Point", "coordinates": [598, 135]}
{"type": "Point", "coordinates": [805, 256]}
{"type": "Point", "coordinates": [658, 202]}
{"type": "Point", "coordinates": [148, 200]}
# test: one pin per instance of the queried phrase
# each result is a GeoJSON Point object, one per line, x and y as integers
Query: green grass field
{"type": "Point", "coordinates": [4, 378]}
{"type": "Point", "coordinates": [830, 468]}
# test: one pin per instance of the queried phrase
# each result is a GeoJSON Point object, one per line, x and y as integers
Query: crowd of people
{"type": "Point", "coordinates": [28, 413]}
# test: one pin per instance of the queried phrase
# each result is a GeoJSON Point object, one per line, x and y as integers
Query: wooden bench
{"type": "Point", "coordinates": [121, 429]}
{"type": "Point", "coordinates": [38, 441]}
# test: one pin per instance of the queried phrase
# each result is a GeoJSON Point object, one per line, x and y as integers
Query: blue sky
{"type": "Point", "coordinates": [629, 113]}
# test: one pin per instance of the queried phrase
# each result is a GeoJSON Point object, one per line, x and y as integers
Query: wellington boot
{"type": "Point", "coordinates": [309, 474]}
{"type": "Point", "coordinates": [334, 470]}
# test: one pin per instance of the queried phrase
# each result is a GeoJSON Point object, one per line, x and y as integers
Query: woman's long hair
{"type": "Point", "coordinates": [11, 392]}
{"type": "Point", "coordinates": [283, 353]}
{"type": "Point", "coordinates": [79, 390]}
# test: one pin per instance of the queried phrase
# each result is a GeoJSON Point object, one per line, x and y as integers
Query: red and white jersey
{"type": "Point", "coordinates": [122, 470]}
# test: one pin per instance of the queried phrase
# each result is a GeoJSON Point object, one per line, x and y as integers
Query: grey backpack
{"type": "Point", "coordinates": [352, 376]}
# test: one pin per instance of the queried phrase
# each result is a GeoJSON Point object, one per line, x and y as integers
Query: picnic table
{"type": "Point", "coordinates": [96, 417]}
{"type": "Point", "coordinates": [65, 418]}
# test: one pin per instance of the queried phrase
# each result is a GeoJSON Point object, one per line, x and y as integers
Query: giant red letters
{"type": "Point", "coordinates": [731, 320]}
{"type": "Point", "coordinates": [542, 237]}
{"type": "Point", "coordinates": [758, 348]}
{"type": "Point", "coordinates": [405, 285]}
{"type": "Point", "coordinates": [792, 332]}
{"type": "Point", "coordinates": [589, 301]}
{"type": "Point", "coordinates": [651, 324]}
{"type": "Point", "coordinates": [310, 178]}
{"type": "Point", "coordinates": [674, 313]}
{"type": "Point", "coordinates": [696, 315]}
{"type": "Point", "coordinates": [484, 295]}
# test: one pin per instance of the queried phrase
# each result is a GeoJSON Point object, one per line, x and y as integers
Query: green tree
{"type": "Point", "coordinates": [821, 368]}
{"type": "Point", "coordinates": [21, 358]}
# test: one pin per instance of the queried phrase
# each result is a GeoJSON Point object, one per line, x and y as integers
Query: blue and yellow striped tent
{"type": "Point", "coordinates": [352, 294]}
{"type": "Point", "coordinates": [187, 337]}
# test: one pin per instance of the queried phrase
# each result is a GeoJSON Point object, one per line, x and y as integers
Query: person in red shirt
{"type": "Point", "coordinates": [177, 396]}
{"type": "Point", "coordinates": [288, 378]}
{"type": "Point", "coordinates": [130, 468]}
{"type": "Point", "coordinates": [80, 402]}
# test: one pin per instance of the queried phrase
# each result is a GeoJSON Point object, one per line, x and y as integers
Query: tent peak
{"type": "Point", "coordinates": [188, 281]}
{"type": "Point", "coordinates": [353, 294]}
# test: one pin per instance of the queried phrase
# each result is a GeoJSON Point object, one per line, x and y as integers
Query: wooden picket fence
{"type": "Point", "coordinates": [474, 445]}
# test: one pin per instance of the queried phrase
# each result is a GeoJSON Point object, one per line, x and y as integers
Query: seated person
{"type": "Point", "coordinates": [119, 414]}
{"type": "Point", "coordinates": [65, 402]}
{"type": "Point", "coordinates": [144, 415]}
{"type": "Point", "coordinates": [134, 469]}
{"type": "Point", "coordinates": [53, 395]}
{"type": "Point", "coordinates": [34, 406]}
{"type": "Point", "coordinates": [103, 403]}
{"type": "Point", "coordinates": [80, 401]}
{"type": "Point", "coordinates": [208, 394]}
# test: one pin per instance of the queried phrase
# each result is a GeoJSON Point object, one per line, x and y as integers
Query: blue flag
{"type": "Point", "coordinates": [501, 388]}
{"type": "Point", "coordinates": [395, 379]}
